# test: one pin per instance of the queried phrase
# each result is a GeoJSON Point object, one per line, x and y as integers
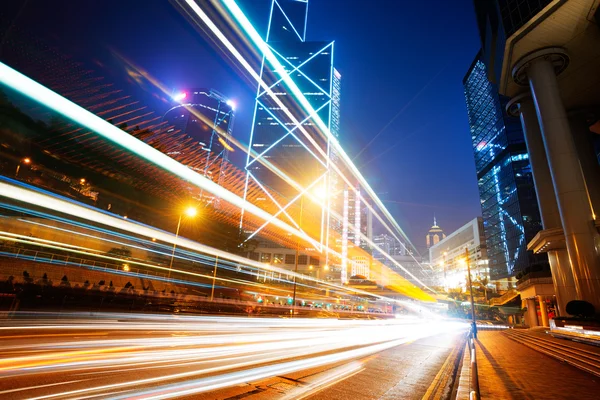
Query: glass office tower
{"type": "Point", "coordinates": [508, 200]}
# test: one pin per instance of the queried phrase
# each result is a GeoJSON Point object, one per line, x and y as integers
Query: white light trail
{"type": "Point", "coordinates": [54, 101]}
{"type": "Point", "coordinates": [188, 355]}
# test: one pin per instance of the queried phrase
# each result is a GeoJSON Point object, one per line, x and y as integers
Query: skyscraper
{"type": "Point", "coordinates": [205, 117]}
{"type": "Point", "coordinates": [290, 156]}
{"type": "Point", "coordinates": [508, 202]}
{"type": "Point", "coordinates": [435, 234]}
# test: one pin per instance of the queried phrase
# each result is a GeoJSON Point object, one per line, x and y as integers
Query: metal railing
{"type": "Point", "coordinates": [69, 260]}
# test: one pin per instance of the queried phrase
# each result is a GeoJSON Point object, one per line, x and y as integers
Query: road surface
{"type": "Point", "coordinates": [116, 356]}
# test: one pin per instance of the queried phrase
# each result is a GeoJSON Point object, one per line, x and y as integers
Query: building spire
{"type": "Point", "coordinates": [434, 220]}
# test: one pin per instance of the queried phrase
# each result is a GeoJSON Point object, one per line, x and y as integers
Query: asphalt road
{"type": "Point", "coordinates": [156, 357]}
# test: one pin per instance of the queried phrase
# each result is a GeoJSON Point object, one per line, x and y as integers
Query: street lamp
{"type": "Point", "coordinates": [189, 212]}
{"type": "Point", "coordinates": [25, 161]}
{"type": "Point", "coordinates": [321, 194]}
{"type": "Point", "coordinates": [473, 323]}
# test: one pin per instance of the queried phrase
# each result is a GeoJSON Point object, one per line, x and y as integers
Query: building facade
{"type": "Point", "coordinates": [449, 255]}
{"type": "Point", "coordinates": [543, 56]}
{"type": "Point", "coordinates": [508, 202]}
{"type": "Point", "coordinates": [206, 118]}
{"type": "Point", "coordinates": [290, 158]}
{"type": "Point", "coordinates": [389, 245]}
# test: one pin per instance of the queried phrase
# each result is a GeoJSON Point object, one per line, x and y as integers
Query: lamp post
{"type": "Point", "coordinates": [212, 292]}
{"type": "Point", "coordinates": [321, 195]}
{"type": "Point", "coordinates": [474, 324]}
{"type": "Point", "coordinates": [190, 212]}
{"type": "Point", "coordinates": [293, 310]}
{"type": "Point", "coordinates": [25, 161]}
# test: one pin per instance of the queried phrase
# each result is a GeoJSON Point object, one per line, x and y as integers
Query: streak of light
{"type": "Point", "coordinates": [239, 15]}
{"type": "Point", "coordinates": [40, 386]}
{"type": "Point", "coordinates": [69, 207]}
{"type": "Point", "coordinates": [216, 352]}
{"type": "Point", "coordinates": [331, 378]}
{"type": "Point", "coordinates": [39, 93]}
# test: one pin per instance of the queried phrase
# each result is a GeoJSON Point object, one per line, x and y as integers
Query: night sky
{"type": "Point", "coordinates": [402, 64]}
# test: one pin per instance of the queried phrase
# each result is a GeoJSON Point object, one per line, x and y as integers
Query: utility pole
{"type": "Point", "coordinates": [473, 323]}
{"type": "Point", "coordinates": [297, 254]}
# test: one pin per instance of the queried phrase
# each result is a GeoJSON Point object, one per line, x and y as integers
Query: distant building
{"type": "Point", "coordinates": [206, 118]}
{"type": "Point", "coordinates": [417, 266]}
{"type": "Point", "coordinates": [389, 245]}
{"type": "Point", "coordinates": [435, 234]}
{"type": "Point", "coordinates": [448, 256]}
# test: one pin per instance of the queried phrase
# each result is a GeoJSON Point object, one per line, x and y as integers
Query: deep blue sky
{"type": "Point", "coordinates": [393, 55]}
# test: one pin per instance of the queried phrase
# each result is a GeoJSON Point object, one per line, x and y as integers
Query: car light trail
{"type": "Point", "coordinates": [75, 209]}
{"type": "Point", "coordinates": [173, 356]}
{"type": "Point", "coordinates": [54, 101]}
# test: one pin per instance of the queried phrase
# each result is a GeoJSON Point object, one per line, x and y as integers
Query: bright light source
{"type": "Point", "coordinates": [126, 267]}
{"type": "Point", "coordinates": [26, 160]}
{"type": "Point", "coordinates": [231, 104]}
{"type": "Point", "coordinates": [82, 181]}
{"type": "Point", "coordinates": [326, 268]}
{"type": "Point", "coordinates": [191, 211]}
{"type": "Point", "coordinates": [180, 96]}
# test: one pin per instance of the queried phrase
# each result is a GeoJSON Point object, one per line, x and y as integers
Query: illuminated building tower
{"type": "Point", "coordinates": [355, 224]}
{"type": "Point", "coordinates": [434, 235]}
{"type": "Point", "coordinates": [508, 201]}
{"type": "Point", "coordinates": [290, 158]}
{"type": "Point", "coordinates": [206, 118]}
{"type": "Point", "coordinates": [389, 245]}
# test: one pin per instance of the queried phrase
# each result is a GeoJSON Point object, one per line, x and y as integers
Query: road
{"type": "Point", "coordinates": [117, 356]}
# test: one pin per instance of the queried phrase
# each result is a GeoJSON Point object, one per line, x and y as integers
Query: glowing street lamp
{"type": "Point", "coordinates": [25, 161]}
{"type": "Point", "coordinates": [189, 212]}
{"type": "Point", "coordinates": [473, 323]}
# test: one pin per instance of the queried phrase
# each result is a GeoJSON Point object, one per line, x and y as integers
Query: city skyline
{"type": "Point", "coordinates": [440, 185]}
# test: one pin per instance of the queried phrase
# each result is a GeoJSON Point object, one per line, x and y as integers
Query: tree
{"type": "Point", "coordinates": [482, 282]}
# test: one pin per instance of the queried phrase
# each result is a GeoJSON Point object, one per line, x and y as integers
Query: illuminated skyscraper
{"type": "Point", "coordinates": [508, 201]}
{"type": "Point", "coordinates": [435, 234]}
{"type": "Point", "coordinates": [205, 117]}
{"type": "Point", "coordinates": [290, 156]}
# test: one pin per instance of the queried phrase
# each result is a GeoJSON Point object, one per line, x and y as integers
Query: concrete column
{"type": "Point", "coordinates": [573, 202]}
{"type": "Point", "coordinates": [560, 266]}
{"type": "Point", "coordinates": [543, 312]}
{"type": "Point", "coordinates": [531, 317]}
{"type": "Point", "coordinates": [587, 158]}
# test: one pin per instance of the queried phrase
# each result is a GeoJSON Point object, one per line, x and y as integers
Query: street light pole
{"type": "Point", "coordinates": [174, 246]}
{"type": "Point", "coordinates": [26, 160]}
{"type": "Point", "coordinates": [297, 254]}
{"type": "Point", "coordinates": [212, 292]}
{"type": "Point", "coordinates": [474, 324]}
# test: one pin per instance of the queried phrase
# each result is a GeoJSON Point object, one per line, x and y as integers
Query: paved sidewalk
{"type": "Point", "coordinates": [509, 370]}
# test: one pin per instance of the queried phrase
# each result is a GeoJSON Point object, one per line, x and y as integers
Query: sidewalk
{"type": "Point", "coordinates": [509, 370]}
